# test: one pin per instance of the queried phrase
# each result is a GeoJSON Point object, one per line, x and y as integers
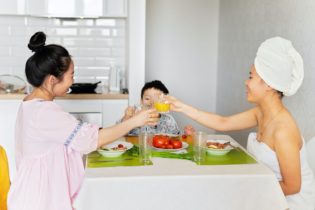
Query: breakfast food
{"type": "Point", "coordinates": [119, 147]}
{"type": "Point", "coordinates": [217, 145]}
{"type": "Point", "coordinates": [166, 142]}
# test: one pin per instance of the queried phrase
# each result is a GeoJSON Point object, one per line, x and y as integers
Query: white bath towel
{"type": "Point", "coordinates": [280, 65]}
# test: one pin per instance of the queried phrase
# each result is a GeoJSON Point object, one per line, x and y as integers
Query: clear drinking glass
{"type": "Point", "coordinates": [139, 107]}
{"type": "Point", "coordinates": [161, 104]}
{"type": "Point", "coordinates": [199, 143]}
{"type": "Point", "coordinates": [145, 142]}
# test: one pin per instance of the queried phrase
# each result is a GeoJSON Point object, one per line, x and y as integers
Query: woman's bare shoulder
{"type": "Point", "coordinates": [286, 130]}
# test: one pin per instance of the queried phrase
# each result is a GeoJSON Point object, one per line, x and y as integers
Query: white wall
{"type": "Point", "coordinates": [181, 50]}
{"type": "Point", "coordinates": [244, 24]}
{"type": "Point", "coordinates": [136, 49]}
{"type": "Point", "coordinates": [95, 44]}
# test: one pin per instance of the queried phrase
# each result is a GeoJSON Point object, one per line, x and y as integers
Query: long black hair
{"type": "Point", "coordinates": [47, 60]}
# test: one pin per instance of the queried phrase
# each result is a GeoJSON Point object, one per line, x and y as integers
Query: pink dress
{"type": "Point", "coordinates": [49, 147]}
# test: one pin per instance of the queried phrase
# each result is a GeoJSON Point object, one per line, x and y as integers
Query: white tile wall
{"type": "Point", "coordinates": [95, 44]}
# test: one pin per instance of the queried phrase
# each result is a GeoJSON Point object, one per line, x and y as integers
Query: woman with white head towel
{"type": "Point", "coordinates": [277, 72]}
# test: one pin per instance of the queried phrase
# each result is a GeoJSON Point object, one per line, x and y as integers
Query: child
{"type": "Point", "coordinates": [4, 179]}
{"type": "Point", "coordinates": [166, 124]}
{"type": "Point", "coordinates": [49, 141]}
{"type": "Point", "coordinates": [277, 71]}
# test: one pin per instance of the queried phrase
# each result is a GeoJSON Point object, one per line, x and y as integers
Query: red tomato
{"type": "Point", "coordinates": [163, 147]}
{"type": "Point", "coordinates": [169, 146]}
{"type": "Point", "coordinates": [177, 144]}
{"type": "Point", "coordinates": [158, 142]}
{"type": "Point", "coordinates": [167, 142]}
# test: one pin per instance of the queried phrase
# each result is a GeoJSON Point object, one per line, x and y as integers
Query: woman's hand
{"type": "Point", "coordinates": [176, 105]}
{"type": "Point", "coordinates": [146, 117]}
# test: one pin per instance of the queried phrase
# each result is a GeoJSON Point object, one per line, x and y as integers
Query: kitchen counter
{"type": "Point", "coordinates": [72, 96]}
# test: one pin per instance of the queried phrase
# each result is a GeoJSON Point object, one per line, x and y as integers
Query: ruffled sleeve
{"type": "Point", "coordinates": [85, 139]}
{"type": "Point", "coordinates": [60, 127]}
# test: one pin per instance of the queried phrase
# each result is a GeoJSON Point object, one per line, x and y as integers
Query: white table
{"type": "Point", "coordinates": [174, 184]}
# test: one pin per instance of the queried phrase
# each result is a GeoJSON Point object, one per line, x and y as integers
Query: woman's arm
{"type": "Point", "coordinates": [145, 117]}
{"type": "Point", "coordinates": [238, 121]}
{"type": "Point", "coordinates": [287, 148]}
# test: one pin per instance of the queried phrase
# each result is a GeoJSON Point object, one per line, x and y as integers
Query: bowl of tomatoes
{"type": "Point", "coordinates": [115, 149]}
{"type": "Point", "coordinates": [164, 142]}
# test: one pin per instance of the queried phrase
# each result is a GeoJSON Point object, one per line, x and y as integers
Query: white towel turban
{"type": "Point", "coordinates": [280, 65]}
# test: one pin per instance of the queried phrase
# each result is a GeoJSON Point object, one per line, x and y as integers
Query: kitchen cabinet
{"type": "Point", "coordinates": [12, 7]}
{"type": "Point", "coordinates": [103, 112]}
{"type": "Point", "coordinates": [112, 110]}
{"type": "Point", "coordinates": [77, 8]}
{"type": "Point", "coordinates": [61, 8]}
{"type": "Point", "coordinates": [115, 8]}
{"type": "Point", "coordinates": [90, 117]}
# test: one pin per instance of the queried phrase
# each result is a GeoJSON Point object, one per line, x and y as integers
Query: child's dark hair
{"type": "Point", "coordinates": [47, 60]}
{"type": "Point", "coordinates": [156, 84]}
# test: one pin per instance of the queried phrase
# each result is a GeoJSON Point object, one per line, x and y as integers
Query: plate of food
{"type": "Point", "coordinates": [169, 143]}
{"type": "Point", "coordinates": [115, 149]}
{"type": "Point", "coordinates": [219, 147]}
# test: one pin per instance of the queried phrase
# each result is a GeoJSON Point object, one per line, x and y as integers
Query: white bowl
{"type": "Point", "coordinates": [108, 152]}
{"type": "Point", "coordinates": [218, 151]}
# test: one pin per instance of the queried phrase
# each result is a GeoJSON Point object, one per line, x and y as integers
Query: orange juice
{"type": "Point", "coordinates": [162, 107]}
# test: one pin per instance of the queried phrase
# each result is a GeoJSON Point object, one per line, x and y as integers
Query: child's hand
{"type": "Point", "coordinates": [129, 112]}
{"type": "Point", "coordinates": [189, 130]}
{"type": "Point", "coordinates": [146, 117]}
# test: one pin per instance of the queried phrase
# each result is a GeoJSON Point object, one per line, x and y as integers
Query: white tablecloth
{"type": "Point", "coordinates": [174, 184]}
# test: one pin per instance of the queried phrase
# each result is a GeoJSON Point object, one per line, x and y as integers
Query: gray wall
{"type": "Point", "coordinates": [181, 50]}
{"type": "Point", "coordinates": [244, 24]}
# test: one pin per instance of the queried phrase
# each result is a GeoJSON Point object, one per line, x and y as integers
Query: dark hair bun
{"type": "Point", "coordinates": [37, 41]}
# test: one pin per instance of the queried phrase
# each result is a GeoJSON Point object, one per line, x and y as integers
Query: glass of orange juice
{"type": "Point", "coordinates": [161, 105]}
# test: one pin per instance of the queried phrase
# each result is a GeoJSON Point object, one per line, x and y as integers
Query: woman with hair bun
{"type": "Point", "coordinates": [49, 141]}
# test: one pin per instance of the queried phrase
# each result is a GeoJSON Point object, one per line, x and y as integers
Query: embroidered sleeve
{"type": "Point", "coordinates": [74, 132]}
